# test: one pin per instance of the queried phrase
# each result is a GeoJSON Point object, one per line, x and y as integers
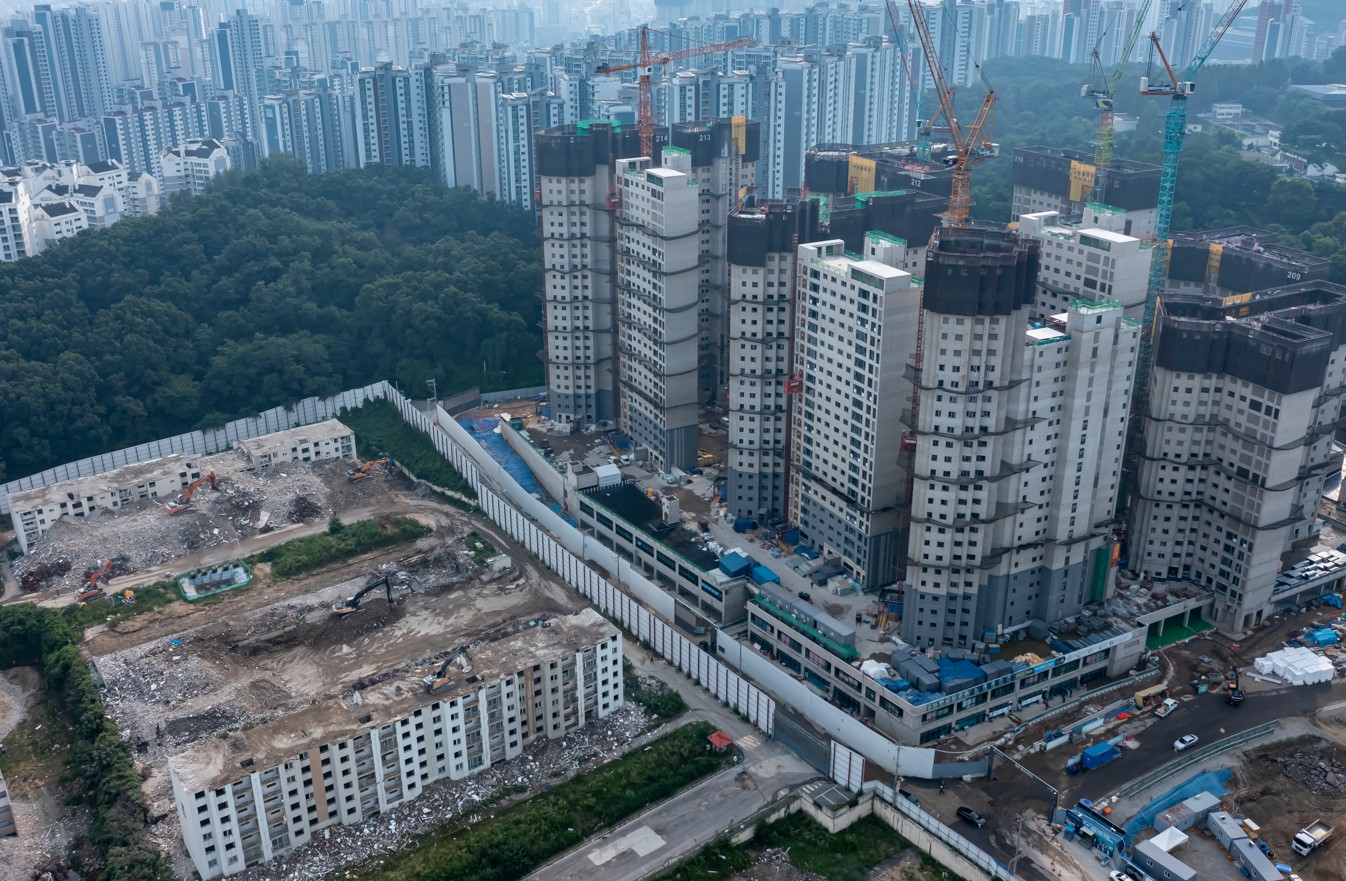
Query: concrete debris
{"type": "Point", "coordinates": [1318, 770]}
{"type": "Point", "coordinates": [440, 804]}
{"type": "Point", "coordinates": [773, 864]}
{"type": "Point", "coordinates": [246, 504]}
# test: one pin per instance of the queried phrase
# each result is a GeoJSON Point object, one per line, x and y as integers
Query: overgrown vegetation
{"type": "Point", "coordinates": [37, 749]}
{"type": "Point", "coordinates": [523, 837]}
{"type": "Point", "coordinates": [311, 552]}
{"type": "Point", "coordinates": [118, 847]}
{"type": "Point", "coordinates": [656, 698]}
{"type": "Point", "coordinates": [849, 855]}
{"type": "Point", "coordinates": [482, 550]}
{"type": "Point", "coordinates": [272, 286]}
{"type": "Point", "coordinates": [99, 611]}
{"type": "Point", "coordinates": [380, 430]}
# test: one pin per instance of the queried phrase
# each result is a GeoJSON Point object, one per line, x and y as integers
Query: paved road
{"type": "Point", "coordinates": [1210, 719]}
{"type": "Point", "coordinates": [682, 825]}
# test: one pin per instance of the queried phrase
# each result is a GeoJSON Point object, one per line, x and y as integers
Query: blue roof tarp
{"type": "Point", "coordinates": [763, 575]}
{"type": "Point", "coordinates": [735, 565]}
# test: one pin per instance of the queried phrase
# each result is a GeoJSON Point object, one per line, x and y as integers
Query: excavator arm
{"type": "Point", "coordinates": [439, 681]}
{"type": "Point", "coordinates": [352, 605]}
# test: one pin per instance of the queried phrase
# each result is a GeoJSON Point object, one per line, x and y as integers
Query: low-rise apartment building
{"type": "Point", "coordinates": [268, 790]}
{"type": "Point", "coordinates": [37, 510]}
{"type": "Point", "coordinates": [329, 439]}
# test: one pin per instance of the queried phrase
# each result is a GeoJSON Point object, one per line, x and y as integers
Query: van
{"type": "Point", "coordinates": [1168, 706]}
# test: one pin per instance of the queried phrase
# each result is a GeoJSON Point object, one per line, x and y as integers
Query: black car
{"type": "Point", "coordinates": [971, 816]}
{"type": "Point", "coordinates": [909, 797]}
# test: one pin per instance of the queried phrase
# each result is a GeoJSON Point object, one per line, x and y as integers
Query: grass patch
{"type": "Point", "coordinates": [312, 552]}
{"type": "Point", "coordinates": [849, 855]}
{"type": "Point", "coordinates": [846, 856]}
{"type": "Point", "coordinates": [148, 598]}
{"type": "Point", "coordinates": [656, 698]}
{"type": "Point", "coordinates": [381, 430]}
{"type": "Point", "coordinates": [482, 550]}
{"type": "Point", "coordinates": [521, 838]}
{"type": "Point", "coordinates": [716, 862]}
{"type": "Point", "coordinates": [37, 751]}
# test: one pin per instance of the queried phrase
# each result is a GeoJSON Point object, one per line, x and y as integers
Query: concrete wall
{"type": "Point", "coordinates": [200, 443]}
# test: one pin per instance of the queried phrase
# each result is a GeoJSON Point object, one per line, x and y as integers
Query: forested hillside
{"type": "Point", "coordinates": [273, 286]}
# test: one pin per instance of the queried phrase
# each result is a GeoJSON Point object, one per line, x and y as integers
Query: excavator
{"type": "Point", "coordinates": [92, 591]}
{"type": "Point", "coordinates": [364, 470]}
{"type": "Point", "coordinates": [1234, 690]}
{"type": "Point", "coordinates": [184, 501]}
{"type": "Point", "coordinates": [440, 681]}
{"type": "Point", "coordinates": [352, 605]}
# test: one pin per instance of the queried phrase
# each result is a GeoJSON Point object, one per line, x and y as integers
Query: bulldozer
{"type": "Point", "coordinates": [440, 681]}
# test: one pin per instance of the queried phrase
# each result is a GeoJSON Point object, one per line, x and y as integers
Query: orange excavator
{"type": "Point", "coordinates": [92, 591]}
{"type": "Point", "coordinates": [364, 470]}
{"type": "Point", "coordinates": [184, 501]}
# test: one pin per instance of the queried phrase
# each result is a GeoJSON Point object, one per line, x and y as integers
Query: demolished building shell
{"type": "Point", "coordinates": [37, 510]}
{"type": "Point", "coordinates": [308, 443]}
{"type": "Point", "coordinates": [265, 791]}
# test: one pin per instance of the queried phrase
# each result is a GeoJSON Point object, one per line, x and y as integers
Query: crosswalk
{"type": "Point", "coordinates": [749, 741]}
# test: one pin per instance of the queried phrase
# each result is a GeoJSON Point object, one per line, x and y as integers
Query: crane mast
{"type": "Point", "coordinates": [645, 111]}
{"type": "Point", "coordinates": [1177, 88]}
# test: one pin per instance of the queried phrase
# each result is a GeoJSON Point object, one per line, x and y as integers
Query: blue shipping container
{"type": "Point", "coordinates": [763, 575]}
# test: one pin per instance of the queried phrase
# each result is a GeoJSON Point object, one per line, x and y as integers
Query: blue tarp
{"type": "Point", "coordinates": [953, 671]}
{"type": "Point", "coordinates": [763, 575]}
{"type": "Point", "coordinates": [483, 431]}
{"type": "Point", "coordinates": [1213, 782]}
{"type": "Point", "coordinates": [735, 565]}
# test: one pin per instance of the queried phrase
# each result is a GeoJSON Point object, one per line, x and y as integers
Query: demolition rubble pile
{"type": "Point", "coordinates": [441, 802]}
{"type": "Point", "coordinates": [1318, 770]}
{"type": "Point", "coordinates": [245, 504]}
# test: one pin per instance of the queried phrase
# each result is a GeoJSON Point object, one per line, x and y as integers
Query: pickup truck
{"type": "Point", "coordinates": [1168, 706]}
{"type": "Point", "coordinates": [1310, 837]}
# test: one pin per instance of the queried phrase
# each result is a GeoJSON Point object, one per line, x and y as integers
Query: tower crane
{"type": "Point", "coordinates": [1102, 91]}
{"type": "Point", "coordinates": [923, 130]}
{"type": "Point", "coordinates": [645, 114]}
{"type": "Point", "coordinates": [1177, 89]}
{"type": "Point", "coordinates": [972, 145]}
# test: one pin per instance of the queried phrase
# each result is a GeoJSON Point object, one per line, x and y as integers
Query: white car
{"type": "Point", "coordinates": [1115, 875]}
{"type": "Point", "coordinates": [1184, 742]}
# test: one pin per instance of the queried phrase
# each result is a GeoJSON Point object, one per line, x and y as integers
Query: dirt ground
{"type": "Point", "coordinates": [1289, 784]}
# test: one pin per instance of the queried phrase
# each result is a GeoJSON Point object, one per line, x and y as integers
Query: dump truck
{"type": "Point", "coordinates": [1310, 837]}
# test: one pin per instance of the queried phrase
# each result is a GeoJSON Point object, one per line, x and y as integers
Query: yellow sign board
{"type": "Point", "coordinates": [740, 132]}
{"type": "Point", "coordinates": [1081, 180]}
{"type": "Point", "coordinates": [860, 175]}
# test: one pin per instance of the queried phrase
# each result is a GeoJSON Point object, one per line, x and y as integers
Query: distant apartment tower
{"type": "Point", "coordinates": [391, 114]}
{"type": "Point", "coordinates": [1245, 396]}
{"type": "Point", "coordinates": [1238, 260]}
{"type": "Point", "coordinates": [855, 328]}
{"type": "Point", "coordinates": [189, 167]}
{"type": "Point", "coordinates": [1053, 179]}
{"type": "Point", "coordinates": [1088, 260]}
{"type": "Point", "coordinates": [579, 266]}
{"type": "Point", "coordinates": [762, 275]}
{"type": "Point", "coordinates": [658, 302]}
{"type": "Point", "coordinates": [1018, 446]}
{"type": "Point", "coordinates": [762, 296]}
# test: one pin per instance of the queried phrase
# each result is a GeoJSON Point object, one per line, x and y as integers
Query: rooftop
{"type": "Point", "coordinates": [633, 506]}
{"type": "Point", "coordinates": [283, 441]}
{"type": "Point", "coordinates": [169, 467]}
{"type": "Point", "coordinates": [214, 762]}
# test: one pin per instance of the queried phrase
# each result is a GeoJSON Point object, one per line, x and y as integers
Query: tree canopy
{"type": "Point", "coordinates": [272, 286]}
